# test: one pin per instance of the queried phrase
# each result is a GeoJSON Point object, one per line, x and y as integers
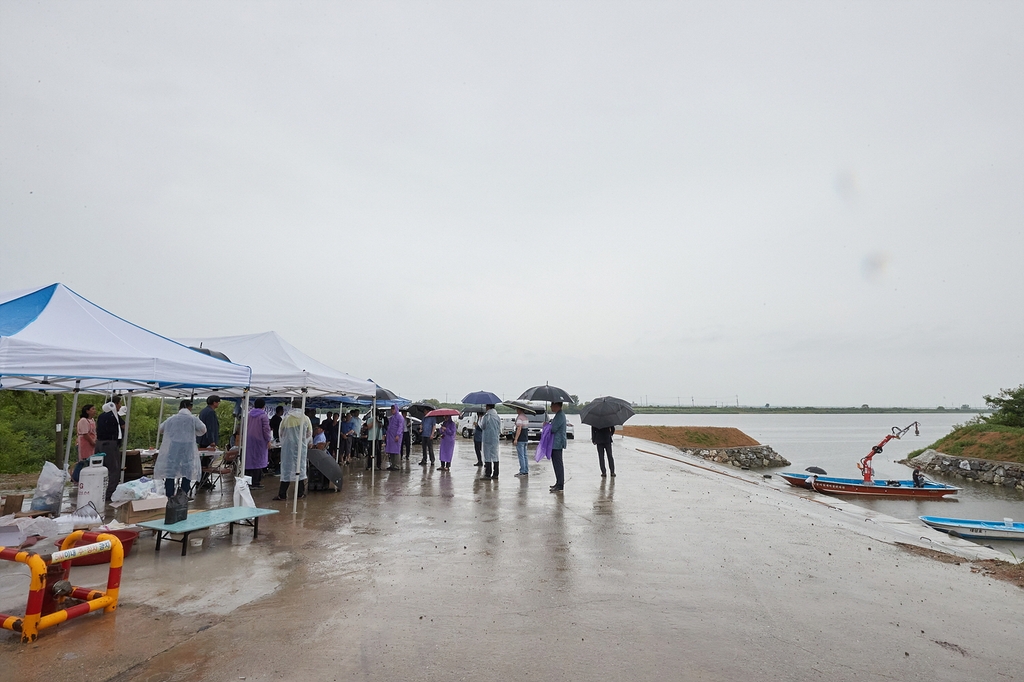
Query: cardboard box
{"type": "Point", "coordinates": [149, 509]}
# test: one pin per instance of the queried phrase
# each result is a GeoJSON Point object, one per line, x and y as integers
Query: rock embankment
{"type": "Point", "coordinates": [748, 457]}
{"type": "Point", "coordinates": [1005, 474]}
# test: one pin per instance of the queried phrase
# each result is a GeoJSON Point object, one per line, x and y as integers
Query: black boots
{"type": "Point", "coordinates": [490, 470]}
{"type": "Point", "coordinates": [487, 469]}
{"type": "Point", "coordinates": [495, 470]}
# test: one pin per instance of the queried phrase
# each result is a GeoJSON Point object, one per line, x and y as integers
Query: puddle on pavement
{"type": "Point", "coordinates": [232, 579]}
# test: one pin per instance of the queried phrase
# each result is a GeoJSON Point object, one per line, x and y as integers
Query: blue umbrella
{"type": "Point", "coordinates": [481, 398]}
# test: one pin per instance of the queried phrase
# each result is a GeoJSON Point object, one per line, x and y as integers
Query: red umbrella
{"type": "Point", "coordinates": [443, 412]}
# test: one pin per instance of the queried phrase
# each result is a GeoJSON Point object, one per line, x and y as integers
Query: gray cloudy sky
{"type": "Point", "coordinates": [789, 203]}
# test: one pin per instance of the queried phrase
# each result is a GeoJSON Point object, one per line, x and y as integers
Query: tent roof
{"type": "Point", "coordinates": [279, 368]}
{"type": "Point", "coordinates": [52, 339]}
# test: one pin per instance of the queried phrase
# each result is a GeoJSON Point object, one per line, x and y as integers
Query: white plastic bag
{"type": "Point", "coordinates": [243, 497]}
{"type": "Point", "coordinates": [49, 490]}
{"type": "Point", "coordinates": [135, 490]}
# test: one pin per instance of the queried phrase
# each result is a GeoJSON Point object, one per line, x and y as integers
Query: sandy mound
{"type": "Point", "coordinates": [713, 437]}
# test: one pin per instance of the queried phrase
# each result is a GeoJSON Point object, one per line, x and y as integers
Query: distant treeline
{"type": "Point", "coordinates": [671, 409]}
{"type": "Point", "coordinates": [711, 409]}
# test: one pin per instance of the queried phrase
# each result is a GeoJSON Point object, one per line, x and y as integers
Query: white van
{"type": "Point", "coordinates": [468, 419]}
{"type": "Point", "coordinates": [467, 423]}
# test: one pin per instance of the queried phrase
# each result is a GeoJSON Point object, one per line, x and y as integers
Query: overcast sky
{"type": "Point", "coordinates": [795, 203]}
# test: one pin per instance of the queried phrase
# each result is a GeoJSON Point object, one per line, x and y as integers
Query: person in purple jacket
{"type": "Point", "coordinates": [448, 429]}
{"type": "Point", "coordinates": [257, 439]}
{"type": "Point", "coordinates": [393, 439]}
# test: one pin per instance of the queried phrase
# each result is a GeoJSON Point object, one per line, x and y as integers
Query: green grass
{"type": "Point", "coordinates": [984, 441]}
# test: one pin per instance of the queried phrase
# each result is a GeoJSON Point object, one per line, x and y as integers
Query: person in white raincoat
{"type": "Point", "coordinates": [179, 454]}
{"type": "Point", "coordinates": [296, 436]}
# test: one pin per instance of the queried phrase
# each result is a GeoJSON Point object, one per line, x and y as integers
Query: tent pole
{"type": "Point", "coordinates": [298, 460]}
{"type": "Point", "coordinates": [245, 429]}
{"type": "Point", "coordinates": [124, 441]}
{"type": "Point", "coordinates": [67, 446]}
{"type": "Point", "coordinates": [373, 447]}
{"type": "Point", "coordinates": [159, 421]}
{"type": "Point", "coordinates": [337, 448]}
{"type": "Point", "coordinates": [58, 444]}
{"type": "Point", "coordinates": [67, 452]}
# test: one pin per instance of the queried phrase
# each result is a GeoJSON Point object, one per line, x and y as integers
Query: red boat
{"type": "Point", "coordinates": [919, 486]}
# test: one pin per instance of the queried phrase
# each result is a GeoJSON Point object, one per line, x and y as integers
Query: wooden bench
{"type": "Point", "coordinates": [243, 516]}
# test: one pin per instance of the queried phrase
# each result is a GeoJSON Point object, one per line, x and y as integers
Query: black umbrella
{"type": "Point", "coordinates": [528, 409]}
{"type": "Point", "coordinates": [817, 470]}
{"type": "Point", "coordinates": [212, 353]}
{"type": "Point", "coordinates": [382, 394]}
{"type": "Point", "coordinates": [419, 410]}
{"type": "Point", "coordinates": [547, 393]}
{"type": "Point", "coordinates": [604, 412]}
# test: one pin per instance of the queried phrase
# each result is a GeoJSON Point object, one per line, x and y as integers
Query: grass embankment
{"type": "Point", "coordinates": [711, 437]}
{"type": "Point", "coordinates": [984, 441]}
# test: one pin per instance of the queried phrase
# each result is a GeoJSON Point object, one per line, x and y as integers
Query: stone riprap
{"type": "Point", "coordinates": [1005, 474]}
{"type": "Point", "coordinates": [749, 457]}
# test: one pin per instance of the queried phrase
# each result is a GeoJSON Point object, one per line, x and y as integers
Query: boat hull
{"type": "Point", "coordinates": [974, 529]}
{"type": "Point", "coordinates": [853, 486]}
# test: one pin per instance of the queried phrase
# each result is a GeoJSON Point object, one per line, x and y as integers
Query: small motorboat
{"type": "Point", "coordinates": [919, 486]}
{"type": "Point", "coordinates": [856, 486]}
{"type": "Point", "coordinates": [974, 529]}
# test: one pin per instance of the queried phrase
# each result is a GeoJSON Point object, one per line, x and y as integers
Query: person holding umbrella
{"type": "Point", "coordinates": [558, 443]}
{"type": "Point", "coordinates": [448, 430]}
{"type": "Point", "coordinates": [427, 439]}
{"type": "Point", "coordinates": [603, 415]}
{"type": "Point", "coordinates": [478, 441]}
{"type": "Point", "coordinates": [521, 438]}
{"type": "Point", "coordinates": [490, 426]}
{"type": "Point", "coordinates": [602, 438]}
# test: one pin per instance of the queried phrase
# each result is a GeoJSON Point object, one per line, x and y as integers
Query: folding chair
{"type": "Point", "coordinates": [215, 468]}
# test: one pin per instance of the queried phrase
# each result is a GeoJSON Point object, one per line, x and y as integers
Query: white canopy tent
{"type": "Point", "coordinates": [280, 369]}
{"type": "Point", "coordinates": [54, 340]}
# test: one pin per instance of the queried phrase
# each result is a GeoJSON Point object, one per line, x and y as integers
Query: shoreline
{"type": "Point", "coordinates": [675, 567]}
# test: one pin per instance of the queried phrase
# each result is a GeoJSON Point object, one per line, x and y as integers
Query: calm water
{"type": "Point", "coordinates": [836, 442]}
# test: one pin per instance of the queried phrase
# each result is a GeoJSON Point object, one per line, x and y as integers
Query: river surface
{"type": "Point", "coordinates": [836, 442]}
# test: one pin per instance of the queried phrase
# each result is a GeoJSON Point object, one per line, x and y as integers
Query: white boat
{"type": "Point", "coordinates": [977, 530]}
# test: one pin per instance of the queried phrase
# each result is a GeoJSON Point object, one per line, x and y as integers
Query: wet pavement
{"type": "Point", "coordinates": [674, 569]}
